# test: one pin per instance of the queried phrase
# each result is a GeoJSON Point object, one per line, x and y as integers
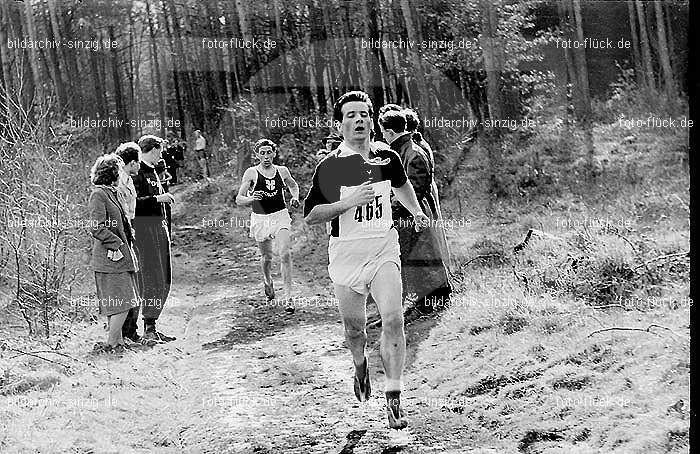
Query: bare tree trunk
{"type": "Point", "coordinates": [577, 71]}
{"type": "Point", "coordinates": [194, 71]}
{"type": "Point", "coordinates": [393, 89]}
{"type": "Point", "coordinates": [372, 32]}
{"type": "Point", "coordinates": [174, 58]}
{"type": "Point", "coordinates": [419, 70]}
{"type": "Point", "coordinates": [581, 63]}
{"type": "Point", "coordinates": [669, 82]}
{"type": "Point", "coordinates": [646, 51]}
{"type": "Point", "coordinates": [331, 56]}
{"type": "Point", "coordinates": [279, 37]}
{"type": "Point", "coordinates": [59, 55]}
{"type": "Point", "coordinates": [100, 102]}
{"type": "Point", "coordinates": [133, 71]}
{"type": "Point", "coordinates": [572, 85]}
{"type": "Point", "coordinates": [182, 63]}
{"type": "Point", "coordinates": [156, 64]}
{"type": "Point", "coordinates": [671, 40]}
{"type": "Point", "coordinates": [489, 24]}
{"type": "Point", "coordinates": [245, 31]}
{"type": "Point", "coordinates": [33, 54]}
{"type": "Point", "coordinates": [638, 72]}
{"type": "Point", "coordinates": [317, 36]}
{"type": "Point", "coordinates": [350, 56]}
{"type": "Point", "coordinates": [124, 129]}
{"type": "Point", "coordinates": [79, 95]}
{"type": "Point", "coordinates": [5, 56]}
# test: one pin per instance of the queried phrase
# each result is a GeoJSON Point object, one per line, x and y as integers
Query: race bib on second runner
{"type": "Point", "coordinates": [371, 220]}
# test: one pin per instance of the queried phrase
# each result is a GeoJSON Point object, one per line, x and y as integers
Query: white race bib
{"type": "Point", "coordinates": [371, 220]}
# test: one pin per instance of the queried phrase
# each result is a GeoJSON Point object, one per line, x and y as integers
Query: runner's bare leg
{"type": "Point", "coordinates": [386, 291]}
{"type": "Point", "coordinates": [286, 259]}
{"type": "Point", "coordinates": [354, 315]}
{"type": "Point", "coordinates": [266, 260]}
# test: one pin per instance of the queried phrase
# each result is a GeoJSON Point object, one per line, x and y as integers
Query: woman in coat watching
{"type": "Point", "coordinates": [113, 260]}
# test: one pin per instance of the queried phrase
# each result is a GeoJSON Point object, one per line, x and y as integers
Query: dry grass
{"type": "Point", "coordinates": [523, 359]}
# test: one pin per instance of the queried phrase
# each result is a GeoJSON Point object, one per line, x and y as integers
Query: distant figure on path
{"type": "Point", "coordinates": [200, 152]}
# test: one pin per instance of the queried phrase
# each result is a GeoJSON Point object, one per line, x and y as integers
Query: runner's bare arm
{"type": "Point", "coordinates": [326, 212]}
{"type": "Point", "coordinates": [407, 196]}
{"type": "Point", "coordinates": [242, 198]}
{"type": "Point", "coordinates": [290, 182]}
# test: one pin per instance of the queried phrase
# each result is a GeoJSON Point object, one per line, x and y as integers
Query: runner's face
{"type": "Point", "coordinates": [356, 123]}
{"type": "Point", "coordinates": [266, 154]}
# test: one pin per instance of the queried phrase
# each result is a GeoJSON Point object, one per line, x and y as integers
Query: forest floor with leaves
{"type": "Point", "coordinates": [499, 371]}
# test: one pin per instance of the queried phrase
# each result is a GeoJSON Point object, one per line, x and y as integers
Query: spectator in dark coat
{"type": "Point", "coordinates": [174, 157]}
{"type": "Point", "coordinates": [412, 123]}
{"type": "Point", "coordinates": [152, 238]}
{"type": "Point", "coordinates": [426, 282]}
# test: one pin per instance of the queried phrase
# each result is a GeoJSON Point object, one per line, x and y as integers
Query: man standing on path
{"type": "Point", "coordinates": [351, 189]}
{"type": "Point", "coordinates": [263, 188]}
{"type": "Point", "coordinates": [130, 154]}
{"type": "Point", "coordinates": [200, 152]}
{"type": "Point", "coordinates": [152, 238]}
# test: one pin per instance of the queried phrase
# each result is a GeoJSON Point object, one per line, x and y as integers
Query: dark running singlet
{"type": "Point", "coordinates": [273, 193]}
{"type": "Point", "coordinates": [341, 171]}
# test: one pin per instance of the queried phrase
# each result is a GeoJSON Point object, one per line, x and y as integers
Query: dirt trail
{"type": "Point", "coordinates": [273, 381]}
{"type": "Point", "coordinates": [243, 376]}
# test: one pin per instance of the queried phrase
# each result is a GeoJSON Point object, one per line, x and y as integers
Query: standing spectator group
{"type": "Point", "coordinates": [129, 210]}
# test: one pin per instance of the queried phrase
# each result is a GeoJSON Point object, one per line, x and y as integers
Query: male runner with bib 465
{"type": "Point", "coordinates": [351, 189]}
{"type": "Point", "coordinates": [270, 219]}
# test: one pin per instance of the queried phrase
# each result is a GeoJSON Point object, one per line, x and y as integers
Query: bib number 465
{"type": "Point", "coordinates": [372, 210]}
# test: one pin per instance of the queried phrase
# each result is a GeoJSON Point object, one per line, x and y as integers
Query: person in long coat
{"type": "Point", "coordinates": [426, 280]}
{"type": "Point", "coordinates": [152, 238]}
{"type": "Point", "coordinates": [113, 259]}
{"type": "Point", "coordinates": [412, 123]}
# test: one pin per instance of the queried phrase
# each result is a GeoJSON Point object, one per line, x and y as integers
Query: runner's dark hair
{"type": "Point", "coordinates": [264, 142]}
{"type": "Point", "coordinates": [351, 96]}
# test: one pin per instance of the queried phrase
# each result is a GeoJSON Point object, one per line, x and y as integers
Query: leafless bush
{"type": "Point", "coordinates": [42, 221]}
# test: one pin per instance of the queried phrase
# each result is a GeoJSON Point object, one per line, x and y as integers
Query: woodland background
{"type": "Point", "coordinates": [569, 329]}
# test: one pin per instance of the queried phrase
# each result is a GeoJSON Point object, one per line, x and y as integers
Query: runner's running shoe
{"type": "Point", "coordinates": [362, 385]}
{"type": "Point", "coordinates": [393, 411]}
{"type": "Point", "coordinates": [270, 291]}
